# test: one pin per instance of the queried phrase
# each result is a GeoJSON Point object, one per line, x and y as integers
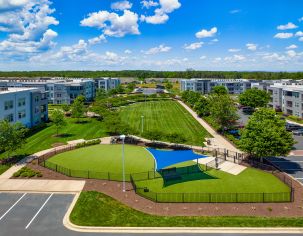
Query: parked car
{"type": "Point", "coordinates": [298, 132]}
{"type": "Point", "coordinates": [292, 127]}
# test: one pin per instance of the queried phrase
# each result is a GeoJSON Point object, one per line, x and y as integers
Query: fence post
{"type": "Point", "coordinates": [88, 174]}
{"type": "Point", "coordinates": [183, 197]}
{"type": "Point", "coordinates": [236, 197]}
{"type": "Point", "coordinates": [263, 197]}
{"type": "Point", "coordinates": [108, 175]}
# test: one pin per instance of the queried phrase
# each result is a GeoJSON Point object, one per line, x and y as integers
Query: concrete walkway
{"type": "Point", "coordinates": [217, 141]}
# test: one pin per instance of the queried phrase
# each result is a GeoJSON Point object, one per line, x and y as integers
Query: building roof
{"type": "Point", "coordinates": [8, 90]}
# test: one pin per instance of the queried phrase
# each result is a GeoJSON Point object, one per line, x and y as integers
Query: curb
{"type": "Point", "coordinates": [172, 230]}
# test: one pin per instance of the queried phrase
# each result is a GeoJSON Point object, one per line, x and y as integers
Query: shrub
{"type": "Point", "coordinates": [88, 143]}
{"type": "Point", "coordinates": [26, 172]}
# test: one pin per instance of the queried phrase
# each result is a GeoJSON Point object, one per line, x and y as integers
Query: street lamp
{"type": "Point", "coordinates": [123, 162]}
{"type": "Point", "coordinates": [142, 124]}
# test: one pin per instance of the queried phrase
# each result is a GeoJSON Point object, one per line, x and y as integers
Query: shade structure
{"type": "Point", "coordinates": [164, 158]}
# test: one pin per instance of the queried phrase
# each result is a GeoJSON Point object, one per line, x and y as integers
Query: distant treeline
{"type": "Point", "coordinates": [158, 74]}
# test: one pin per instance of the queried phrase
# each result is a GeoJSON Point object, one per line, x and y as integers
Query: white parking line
{"type": "Point", "coordinates": [12, 207]}
{"type": "Point", "coordinates": [38, 211]}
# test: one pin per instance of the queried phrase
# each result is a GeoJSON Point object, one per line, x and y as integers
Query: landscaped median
{"type": "Point", "coordinates": [98, 210]}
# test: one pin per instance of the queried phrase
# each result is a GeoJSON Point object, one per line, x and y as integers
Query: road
{"type": "Point", "coordinates": [29, 214]}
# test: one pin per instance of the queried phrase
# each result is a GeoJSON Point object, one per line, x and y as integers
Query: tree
{"type": "Point", "coordinates": [202, 106]}
{"type": "Point", "coordinates": [65, 108]}
{"type": "Point", "coordinates": [223, 110]}
{"type": "Point", "coordinates": [78, 107]}
{"type": "Point", "coordinates": [265, 135]}
{"type": "Point", "coordinates": [12, 136]}
{"type": "Point", "coordinates": [101, 94]}
{"type": "Point", "coordinates": [220, 90]}
{"type": "Point", "coordinates": [191, 97]}
{"type": "Point", "coordinates": [58, 119]}
{"type": "Point", "coordinates": [254, 98]}
{"type": "Point", "coordinates": [168, 85]}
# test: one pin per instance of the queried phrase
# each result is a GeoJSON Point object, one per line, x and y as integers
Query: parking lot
{"type": "Point", "coordinates": [292, 165]}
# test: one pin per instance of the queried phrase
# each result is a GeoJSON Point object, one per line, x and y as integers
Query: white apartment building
{"type": "Point", "coordinates": [107, 83]}
{"type": "Point", "coordinates": [205, 86]}
{"type": "Point", "coordinates": [28, 106]}
{"type": "Point", "coordinates": [287, 97]}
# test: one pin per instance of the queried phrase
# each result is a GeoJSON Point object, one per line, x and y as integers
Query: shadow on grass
{"type": "Point", "coordinates": [63, 135]}
{"type": "Point", "coordinates": [186, 174]}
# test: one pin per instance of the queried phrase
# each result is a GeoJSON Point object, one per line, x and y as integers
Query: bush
{"type": "Point", "coordinates": [88, 143]}
{"type": "Point", "coordinates": [26, 172]}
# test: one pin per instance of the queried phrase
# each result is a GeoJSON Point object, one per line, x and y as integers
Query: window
{"type": "Point", "coordinates": [37, 99]}
{"type": "Point", "coordinates": [58, 95]}
{"type": "Point", "coordinates": [21, 102]}
{"type": "Point", "coordinates": [37, 110]}
{"type": "Point", "coordinates": [10, 118]}
{"type": "Point", "coordinates": [21, 114]}
{"type": "Point", "coordinates": [8, 105]}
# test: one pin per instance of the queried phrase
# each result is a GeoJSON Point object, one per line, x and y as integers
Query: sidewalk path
{"type": "Point", "coordinates": [217, 141]}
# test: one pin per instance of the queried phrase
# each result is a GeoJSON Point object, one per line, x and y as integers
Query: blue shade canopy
{"type": "Point", "coordinates": [167, 158]}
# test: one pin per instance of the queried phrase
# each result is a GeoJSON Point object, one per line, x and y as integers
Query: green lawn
{"type": "Point", "coordinates": [165, 117]}
{"type": "Point", "coordinates": [106, 158]}
{"type": "Point", "coordinates": [3, 168]}
{"type": "Point", "coordinates": [97, 209]}
{"type": "Point", "coordinates": [46, 137]}
{"type": "Point", "coordinates": [214, 181]}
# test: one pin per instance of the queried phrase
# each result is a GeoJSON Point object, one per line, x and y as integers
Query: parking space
{"type": "Point", "coordinates": [33, 214]}
{"type": "Point", "coordinates": [292, 165]}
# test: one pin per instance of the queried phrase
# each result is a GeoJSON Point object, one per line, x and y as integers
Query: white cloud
{"type": "Point", "coordinates": [203, 57]}
{"type": "Point", "coordinates": [112, 24]}
{"type": "Point", "coordinates": [122, 5]}
{"type": "Point", "coordinates": [127, 51]}
{"type": "Point", "coordinates": [301, 39]}
{"type": "Point", "coordinates": [293, 46]}
{"type": "Point", "coordinates": [235, 11]}
{"type": "Point", "coordinates": [234, 50]}
{"type": "Point", "coordinates": [161, 14]}
{"type": "Point", "coordinates": [156, 50]}
{"type": "Point", "coordinates": [299, 34]}
{"type": "Point", "coordinates": [287, 26]}
{"type": "Point", "coordinates": [149, 3]}
{"type": "Point", "coordinates": [274, 57]}
{"type": "Point", "coordinates": [97, 40]}
{"type": "Point", "coordinates": [27, 24]}
{"type": "Point", "coordinates": [284, 35]}
{"type": "Point", "coordinates": [193, 46]}
{"type": "Point", "coordinates": [291, 53]}
{"type": "Point", "coordinates": [251, 46]}
{"type": "Point", "coordinates": [12, 4]}
{"type": "Point", "coordinates": [205, 34]}
{"type": "Point", "coordinates": [235, 58]}
{"type": "Point", "coordinates": [300, 19]}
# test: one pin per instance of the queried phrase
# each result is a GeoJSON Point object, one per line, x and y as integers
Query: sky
{"type": "Point", "coordinates": [230, 35]}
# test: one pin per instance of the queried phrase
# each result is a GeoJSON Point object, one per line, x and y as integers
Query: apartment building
{"type": "Point", "coordinates": [287, 97]}
{"type": "Point", "coordinates": [60, 90]}
{"type": "Point", "coordinates": [28, 106]}
{"type": "Point", "coordinates": [107, 83]}
{"type": "Point", "coordinates": [205, 86]}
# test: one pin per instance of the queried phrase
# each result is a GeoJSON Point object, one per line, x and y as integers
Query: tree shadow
{"type": "Point", "coordinates": [63, 135]}
{"type": "Point", "coordinates": [286, 165]}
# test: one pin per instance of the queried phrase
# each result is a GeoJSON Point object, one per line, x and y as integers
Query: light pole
{"type": "Point", "coordinates": [142, 124]}
{"type": "Point", "coordinates": [123, 163]}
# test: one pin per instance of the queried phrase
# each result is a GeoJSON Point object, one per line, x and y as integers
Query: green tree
{"type": "Point", "coordinates": [168, 85]}
{"type": "Point", "coordinates": [220, 90]}
{"type": "Point", "coordinates": [265, 135]}
{"type": "Point", "coordinates": [202, 106]}
{"type": "Point", "coordinates": [78, 107]}
{"type": "Point", "coordinates": [101, 94]}
{"type": "Point", "coordinates": [12, 136]}
{"type": "Point", "coordinates": [58, 119]}
{"type": "Point", "coordinates": [254, 98]}
{"type": "Point", "coordinates": [223, 110]}
{"type": "Point", "coordinates": [191, 97]}
{"type": "Point", "coordinates": [65, 107]}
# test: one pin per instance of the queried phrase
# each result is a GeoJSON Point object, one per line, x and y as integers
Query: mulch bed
{"type": "Point", "coordinates": [130, 198]}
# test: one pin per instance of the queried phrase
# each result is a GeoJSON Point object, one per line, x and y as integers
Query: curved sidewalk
{"type": "Point", "coordinates": [218, 141]}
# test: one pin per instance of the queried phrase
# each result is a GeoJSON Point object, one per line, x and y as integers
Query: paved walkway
{"type": "Point", "coordinates": [217, 141]}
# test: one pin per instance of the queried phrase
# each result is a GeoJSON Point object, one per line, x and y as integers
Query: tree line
{"type": "Point", "coordinates": [144, 74]}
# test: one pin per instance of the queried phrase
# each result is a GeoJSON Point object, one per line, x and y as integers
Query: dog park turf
{"type": "Point", "coordinates": [97, 209]}
{"type": "Point", "coordinates": [165, 117]}
{"type": "Point", "coordinates": [106, 158]}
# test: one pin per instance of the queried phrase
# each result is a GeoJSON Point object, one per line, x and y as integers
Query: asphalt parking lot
{"type": "Point", "coordinates": [292, 165]}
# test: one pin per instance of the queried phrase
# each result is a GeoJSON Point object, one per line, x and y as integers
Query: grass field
{"type": "Point", "coordinates": [106, 158]}
{"type": "Point", "coordinates": [167, 117]}
{"type": "Point", "coordinates": [214, 181]}
{"type": "Point", "coordinates": [97, 209]}
{"type": "Point", "coordinates": [89, 129]}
